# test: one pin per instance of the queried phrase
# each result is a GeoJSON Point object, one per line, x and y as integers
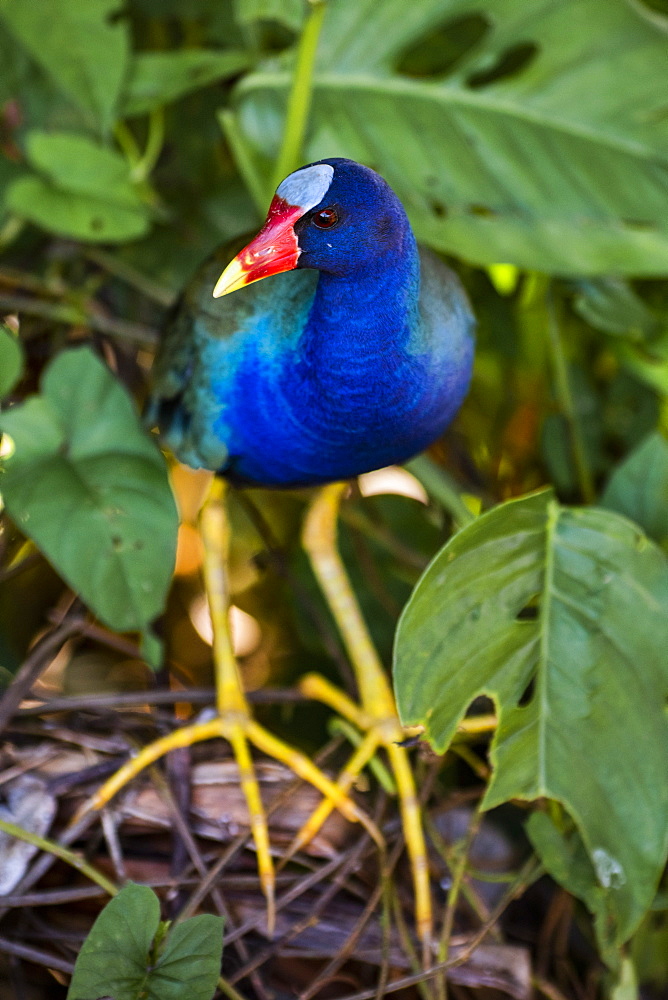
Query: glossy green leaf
{"type": "Point", "coordinates": [76, 163]}
{"type": "Point", "coordinates": [77, 215]}
{"type": "Point", "coordinates": [85, 192]}
{"type": "Point", "coordinates": [11, 360]}
{"type": "Point", "coordinates": [527, 150]}
{"type": "Point", "coordinates": [639, 487]}
{"type": "Point", "coordinates": [561, 616]}
{"type": "Point", "coordinates": [91, 490]}
{"type": "Point", "coordinates": [130, 955]}
{"type": "Point", "coordinates": [565, 858]}
{"type": "Point", "coordinates": [156, 78]}
{"type": "Point", "coordinates": [649, 365]}
{"type": "Point", "coordinates": [79, 45]}
{"type": "Point", "coordinates": [610, 304]}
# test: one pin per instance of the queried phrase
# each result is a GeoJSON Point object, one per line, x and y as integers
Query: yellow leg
{"type": "Point", "coordinates": [234, 721]}
{"type": "Point", "coordinates": [377, 714]}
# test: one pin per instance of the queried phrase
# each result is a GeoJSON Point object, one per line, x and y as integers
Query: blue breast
{"type": "Point", "coordinates": [364, 374]}
{"type": "Point", "coordinates": [315, 375]}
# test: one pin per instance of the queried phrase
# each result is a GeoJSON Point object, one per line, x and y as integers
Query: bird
{"type": "Point", "coordinates": [355, 356]}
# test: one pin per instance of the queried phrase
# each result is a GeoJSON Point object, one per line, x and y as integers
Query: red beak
{"type": "Point", "coordinates": [274, 249]}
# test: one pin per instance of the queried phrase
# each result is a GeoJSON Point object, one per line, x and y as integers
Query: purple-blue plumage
{"type": "Point", "coordinates": [357, 359]}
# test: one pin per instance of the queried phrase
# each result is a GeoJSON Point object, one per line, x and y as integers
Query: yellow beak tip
{"type": "Point", "coordinates": [233, 277]}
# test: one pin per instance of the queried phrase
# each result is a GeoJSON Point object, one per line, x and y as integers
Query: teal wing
{"type": "Point", "coordinates": [203, 346]}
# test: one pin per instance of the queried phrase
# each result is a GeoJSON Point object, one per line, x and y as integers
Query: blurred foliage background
{"type": "Point", "coordinates": [528, 142]}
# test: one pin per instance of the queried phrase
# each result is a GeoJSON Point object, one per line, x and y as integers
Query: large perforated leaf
{"type": "Point", "coordinates": [544, 143]}
{"type": "Point", "coordinates": [561, 616]}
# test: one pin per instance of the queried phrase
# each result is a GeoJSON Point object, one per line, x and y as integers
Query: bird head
{"type": "Point", "coordinates": [334, 215]}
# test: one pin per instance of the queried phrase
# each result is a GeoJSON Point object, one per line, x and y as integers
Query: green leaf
{"type": "Point", "coordinates": [76, 42]}
{"type": "Point", "coordinates": [638, 487]}
{"type": "Point", "coordinates": [565, 858]}
{"type": "Point", "coordinates": [76, 163]}
{"type": "Point", "coordinates": [11, 360]}
{"type": "Point", "coordinates": [127, 956]}
{"type": "Point", "coordinates": [527, 151]}
{"type": "Point", "coordinates": [91, 490]}
{"type": "Point", "coordinates": [626, 986]}
{"type": "Point", "coordinates": [87, 192]}
{"type": "Point", "coordinates": [290, 13]}
{"type": "Point", "coordinates": [156, 78]}
{"type": "Point", "coordinates": [610, 304]}
{"type": "Point", "coordinates": [561, 616]}
{"type": "Point", "coordinates": [77, 215]}
{"type": "Point", "coordinates": [648, 364]}
{"type": "Point", "coordinates": [152, 649]}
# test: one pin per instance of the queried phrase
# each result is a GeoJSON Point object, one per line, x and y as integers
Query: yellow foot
{"type": "Point", "coordinates": [233, 721]}
{"type": "Point", "coordinates": [377, 715]}
{"type": "Point", "coordinates": [240, 731]}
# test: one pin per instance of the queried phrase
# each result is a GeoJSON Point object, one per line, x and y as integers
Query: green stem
{"type": "Point", "coordinates": [128, 143]}
{"type": "Point", "coordinates": [458, 871]}
{"type": "Point", "coordinates": [244, 159]}
{"type": "Point", "coordinates": [119, 268]}
{"type": "Point", "coordinates": [567, 403]}
{"type": "Point", "coordinates": [74, 315]}
{"type": "Point", "coordinates": [441, 487]}
{"type": "Point", "coordinates": [154, 143]}
{"type": "Point", "coordinates": [424, 987]}
{"type": "Point", "coordinates": [10, 230]}
{"type": "Point", "coordinates": [299, 101]}
{"type": "Point", "coordinates": [50, 846]}
{"type": "Point", "coordinates": [339, 726]}
{"type": "Point", "coordinates": [229, 990]}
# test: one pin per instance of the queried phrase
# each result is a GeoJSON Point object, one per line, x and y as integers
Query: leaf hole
{"type": "Point", "coordinates": [438, 52]}
{"type": "Point", "coordinates": [640, 225]}
{"type": "Point", "coordinates": [529, 611]}
{"type": "Point", "coordinates": [658, 6]}
{"type": "Point", "coordinates": [481, 210]}
{"type": "Point", "coordinates": [528, 693]}
{"type": "Point", "coordinates": [509, 63]}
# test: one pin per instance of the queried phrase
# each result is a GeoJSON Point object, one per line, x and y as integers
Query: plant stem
{"type": "Point", "coordinates": [339, 726]}
{"type": "Point", "coordinates": [127, 142]}
{"type": "Point", "coordinates": [441, 487]}
{"type": "Point", "coordinates": [244, 159]}
{"type": "Point", "coordinates": [73, 315]}
{"type": "Point", "coordinates": [458, 871]}
{"type": "Point", "coordinates": [299, 100]}
{"type": "Point", "coordinates": [51, 847]}
{"type": "Point", "coordinates": [136, 279]}
{"type": "Point", "coordinates": [567, 403]}
{"type": "Point", "coordinates": [154, 143]}
{"type": "Point", "coordinates": [229, 990]}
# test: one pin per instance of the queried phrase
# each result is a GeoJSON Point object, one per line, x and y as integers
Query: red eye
{"type": "Point", "coordinates": [325, 218]}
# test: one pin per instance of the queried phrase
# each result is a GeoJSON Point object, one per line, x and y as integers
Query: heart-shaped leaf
{"type": "Point", "coordinates": [84, 189]}
{"type": "Point", "coordinates": [91, 490]}
{"type": "Point", "coordinates": [130, 955]}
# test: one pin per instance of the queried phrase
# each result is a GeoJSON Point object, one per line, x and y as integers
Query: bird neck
{"type": "Point", "coordinates": [364, 314]}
